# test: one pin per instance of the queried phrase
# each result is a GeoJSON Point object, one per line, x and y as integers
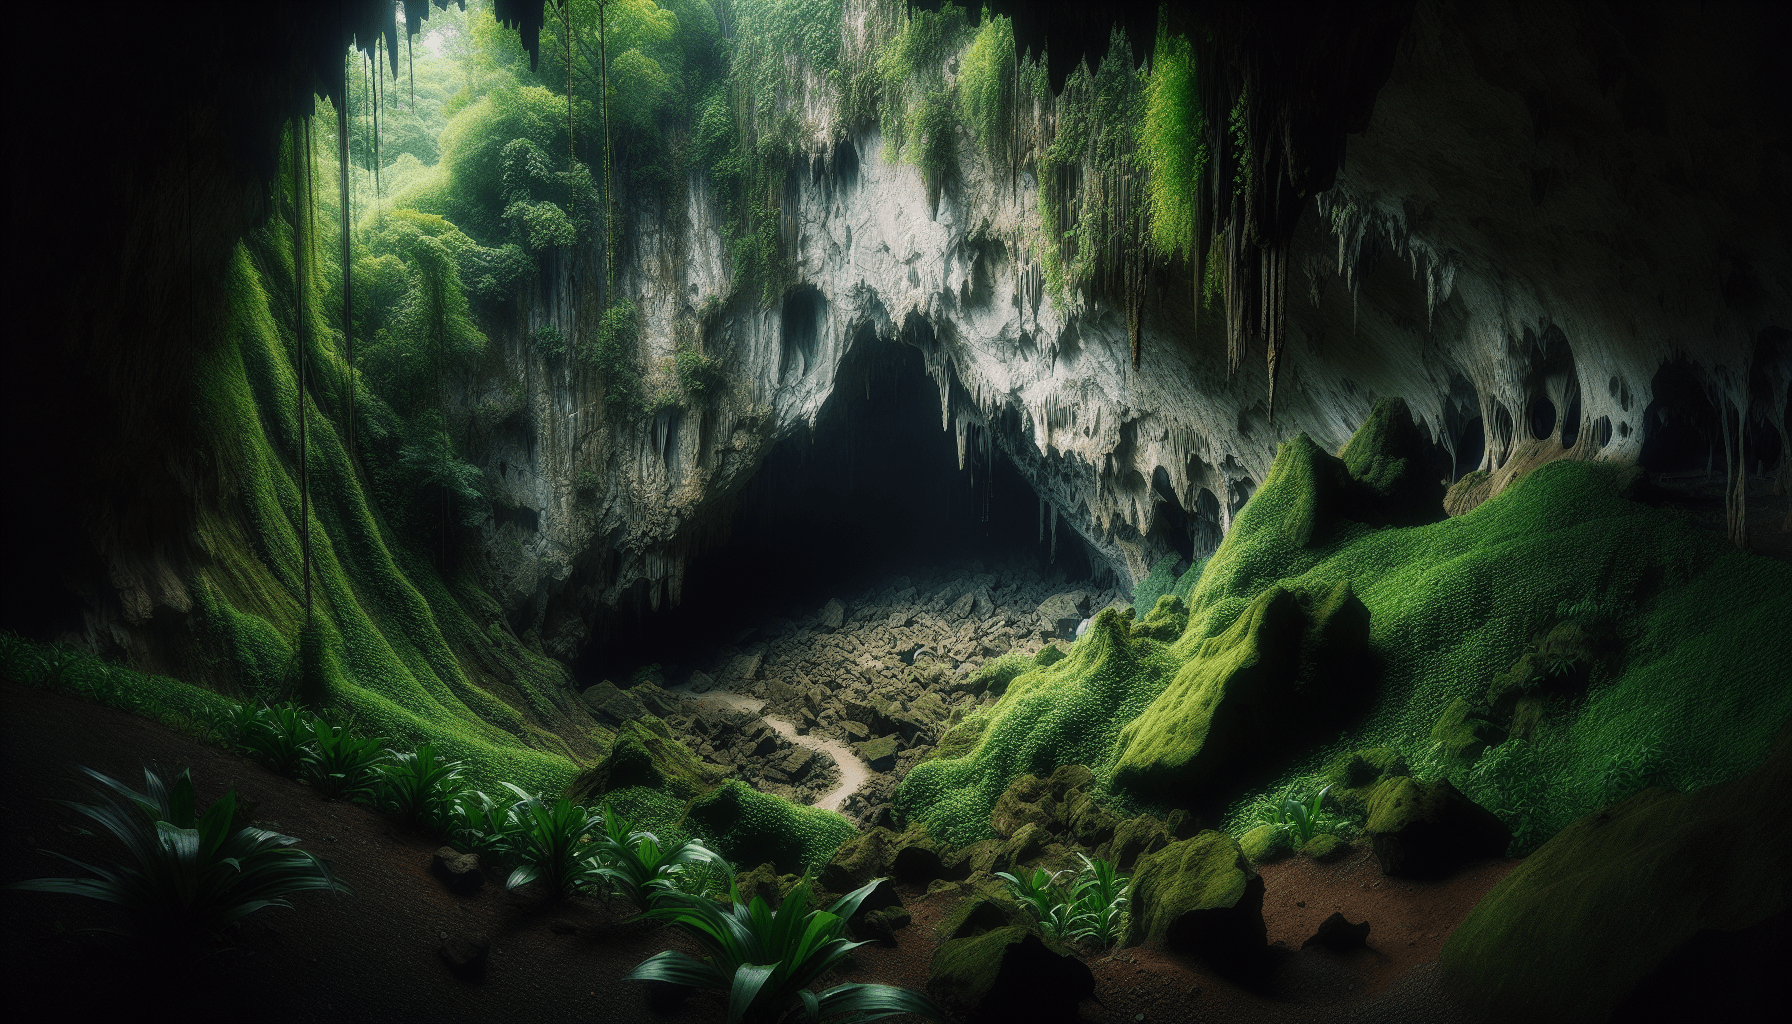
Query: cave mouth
{"type": "Point", "coordinates": [874, 491]}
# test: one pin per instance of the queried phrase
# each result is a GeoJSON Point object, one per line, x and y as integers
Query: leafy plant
{"type": "Point", "coordinates": [766, 959]}
{"type": "Point", "coordinates": [641, 868]}
{"type": "Point", "coordinates": [480, 822]}
{"type": "Point", "coordinates": [341, 766]}
{"type": "Point", "coordinates": [1300, 816]}
{"type": "Point", "coordinates": [1047, 896]}
{"type": "Point", "coordinates": [1098, 903]}
{"type": "Point", "coordinates": [185, 875]}
{"type": "Point", "coordinates": [1088, 907]}
{"type": "Point", "coordinates": [277, 737]}
{"type": "Point", "coordinates": [550, 842]}
{"type": "Point", "coordinates": [419, 785]}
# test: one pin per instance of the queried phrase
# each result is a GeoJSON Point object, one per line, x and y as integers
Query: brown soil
{"type": "Point", "coordinates": [374, 955]}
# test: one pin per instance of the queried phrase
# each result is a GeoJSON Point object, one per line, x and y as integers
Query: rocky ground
{"type": "Point", "coordinates": [884, 672]}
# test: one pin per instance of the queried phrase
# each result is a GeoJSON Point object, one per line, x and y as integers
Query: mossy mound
{"type": "Point", "coordinates": [645, 754]}
{"type": "Point", "coordinates": [1008, 974]}
{"type": "Point", "coordinates": [1199, 895]}
{"type": "Point", "coordinates": [1352, 777]}
{"type": "Point", "coordinates": [1265, 844]}
{"type": "Point", "coordinates": [1252, 696]}
{"type": "Point", "coordinates": [1324, 847]}
{"type": "Point", "coordinates": [1572, 930]}
{"type": "Point", "coordinates": [1428, 829]}
{"type": "Point", "coordinates": [750, 827]}
{"type": "Point", "coordinates": [1461, 733]}
{"type": "Point", "coordinates": [1390, 462]}
{"type": "Point", "coordinates": [1165, 621]}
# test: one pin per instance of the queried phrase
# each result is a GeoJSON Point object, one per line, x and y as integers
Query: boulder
{"type": "Point", "coordinates": [1019, 805]}
{"type": "Point", "coordinates": [1049, 655]}
{"type": "Point", "coordinates": [859, 860]}
{"type": "Point", "coordinates": [1461, 734]}
{"type": "Point", "coordinates": [1071, 604]}
{"type": "Point", "coordinates": [833, 615]}
{"type": "Point", "coordinates": [1390, 462]}
{"type": "Point", "coordinates": [1024, 846]}
{"type": "Point", "coordinates": [749, 827]}
{"type": "Point", "coordinates": [610, 704]}
{"type": "Point", "coordinates": [1008, 974]}
{"type": "Point", "coordinates": [1324, 848]}
{"type": "Point", "coordinates": [880, 925]}
{"type": "Point", "coordinates": [1428, 829]}
{"type": "Point", "coordinates": [642, 755]}
{"type": "Point", "coordinates": [1135, 838]}
{"type": "Point", "coordinates": [656, 699]}
{"type": "Point", "coordinates": [766, 883]}
{"type": "Point", "coordinates": [1266, 844]}
{"type": "Point", "coordinates": [701, 682]}
{"type": "Point", "coordinates": [1338, 934]}
{"type": "Point", "coordinates": [458, 871]}
{"type": "Point", "coordinates": [978, 913]}
{"type": "Point", "coordinates": [1354, 776]}
{"type": "Point", "coordinates": [1199, 895]}
{"type": "Point", "coordinates": [743, 668]}
{"type": "Point", "coordinates": [962, 608]}
{"type": "Point", "coordinates": [879, 753]}
{"type": "Point", "coordinates": [917, 858]}
{"type": "Point", "coordinates": [466, 954]}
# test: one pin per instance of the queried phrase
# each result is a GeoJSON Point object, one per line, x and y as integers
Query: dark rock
{"type": "Point", "coordinates": [1071, 604]}
{"type": "Point", "coordinates": [880, 925]}
{"type": "Point", "coordinates": [1426, 830]}
{"type": "Point", "coordinates": [701, 682]}
{"type": "Point", "coordinates": [879, 753]}
{"type": "Point", "coordinates": [1135, 838]}
{"type": "Point", "coordinates": [466, 954]}
{"type": "Point", "coordinates": [1199, 895]}
{"type": "Point", "coordinates": [766, 883]}
{"type": "Point", "coordinates": [1008, 974]}
{"type": "Point", "coordinates": [977, 914]}
{"type": "Point", "coordinates": [458, 871]}
{"type": "Point", "coordinates": [1336, 933]}
{"type": "Point", "coordinates": [611, 704]}
{"type": "Point", "coordinates": [833, 615]}
{"type": "Point", "coordinates": [859, 860]}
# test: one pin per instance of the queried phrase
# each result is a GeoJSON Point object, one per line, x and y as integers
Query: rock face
{"type": "Point", "coordinates": [1505, 341]}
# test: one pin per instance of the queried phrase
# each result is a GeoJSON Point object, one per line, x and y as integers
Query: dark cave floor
{"type": "Point", "coordinates": [374, 955]}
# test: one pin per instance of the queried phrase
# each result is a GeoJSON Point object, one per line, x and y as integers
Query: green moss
{"type": "Point", "coordinates": [1569, 932]}
{"type": "Point", "coordinates": [1050, 655]}
{"type": "Point", "coordinates": [1458, 733]}
{"type": "Point", "coordinates": [963, 971]}
{"type": "Point", "coordinates": [1390, 460]}
{"type": "Point", "coordinates": [645, 755]}
{"type": "Point", "coordinates": [750, 827]}
{"type": "Point", "coordinates": [1265, 843]}
{"type": "Point", "coordinates": [1165, 622]}
{"type": "Point", "coordinates": [1200, 885]}
{"type": "Point", "coordinates": [1324, 847]}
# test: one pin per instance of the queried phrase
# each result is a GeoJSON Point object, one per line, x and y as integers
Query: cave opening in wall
{"type": "Point", "coordinates": [872, 494]}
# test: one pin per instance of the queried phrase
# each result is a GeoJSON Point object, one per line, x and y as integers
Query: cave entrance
{"type": "Point", "coordinates": [872, 492]}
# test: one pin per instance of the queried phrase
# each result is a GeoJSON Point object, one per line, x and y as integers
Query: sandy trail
{"type": "Point", "coordinates": [853, 772]}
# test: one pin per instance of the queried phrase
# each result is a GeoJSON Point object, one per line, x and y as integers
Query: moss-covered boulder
{"type": "Point", "coordinates": [1008, 974]}
{"type": "Point", "coordinates": [859, 860]}
{"type": "Point", "coordinates": [978, 913]}
{"type": "Point", "coordinates": [880, 926]}
{"type": "Point", "coordinates": [1199, 895]}
{"type": "Point", "coordinates": [1324, 848]}
{"type": "Point", "coordinates": [645, 754]}
{"type": "Point", "coordinates": [765, 883]}
{"type": "Point", "coordinates": [1019, 805]}
{"type": "Point", "coordinates": [1266, 844]}
{"type": "Point", "coordinates": [1461, 733]}
{"type": "Point", "coordinates": [1251, 697]}
{"type": "Point", "coordinates": [1353, 777]}
{"type": "Point", "coordinates": [1390, 461]}
{"type": "Point", "coordinates": [1135, 838]}
{"type": "Point", "coordinates": [1050, 654]}
{"type": "Point", "coordinates": [879, 753]}
{"type": "Point", "coordinates": [918, 859]}
{"type": "Point", "coordinates": [1584, 921]}
{"type": "Point", "coordinates": [1428, 829]}
{"type": "Point", "coordinates": [612, 705]}
{"type": "Point", "coordinates": [749, 827]}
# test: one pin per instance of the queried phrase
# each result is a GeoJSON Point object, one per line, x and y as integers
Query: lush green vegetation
{"type": "Point", "coordinates": [1683, 691]}
{"type": "Point", "coordinates": [766, 959]}
{"type": "Point", "coordinates": [1088, 905]}
{"type": "Point", "coordinates": [186, 874]}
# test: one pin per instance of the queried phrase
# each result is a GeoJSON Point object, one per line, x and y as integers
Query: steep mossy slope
{"type": "Point", "coordinates": [1684, 690]}
{"type": "Point", "coordinates": [408, 649]}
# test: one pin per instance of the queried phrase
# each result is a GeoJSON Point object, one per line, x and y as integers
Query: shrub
{"type": "Point", "coordinates": [185, 875]}
{"type": "Point", "coordinates": [766, 959]}
{"type": "Point", "coordinates": [418, 785]}
{"type": "Point", "coordinates": [478, 821]}
{"type": "Point", "coordinates": [1088, 907]}
{"type": "Point", "coordinates": [341, 766]}
{"type": "Point", "coordinates": [276, 737]}
{"type": "Point", "coordinates": [640, 868]}
{"type": "Point", "coordinates": [551, 841]}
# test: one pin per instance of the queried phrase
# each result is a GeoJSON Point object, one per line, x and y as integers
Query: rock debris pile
{"type": "Point", "coordinates": [885, 673]}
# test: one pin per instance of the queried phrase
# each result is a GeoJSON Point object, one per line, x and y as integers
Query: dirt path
{"type": "Point", "coordinates": [853, 772]}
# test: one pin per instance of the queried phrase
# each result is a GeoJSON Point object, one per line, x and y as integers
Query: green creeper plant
{"type": "Point", "coordinates": [185, 875]}
{"type": "Point", "coordinates": [639, 866]}
{"type": "Point", "coordinates": [341, 766]}
{"type": "Point", "coordinates": [765, 959]}
{"type": "Point", "coordinates": [1098, 903]}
